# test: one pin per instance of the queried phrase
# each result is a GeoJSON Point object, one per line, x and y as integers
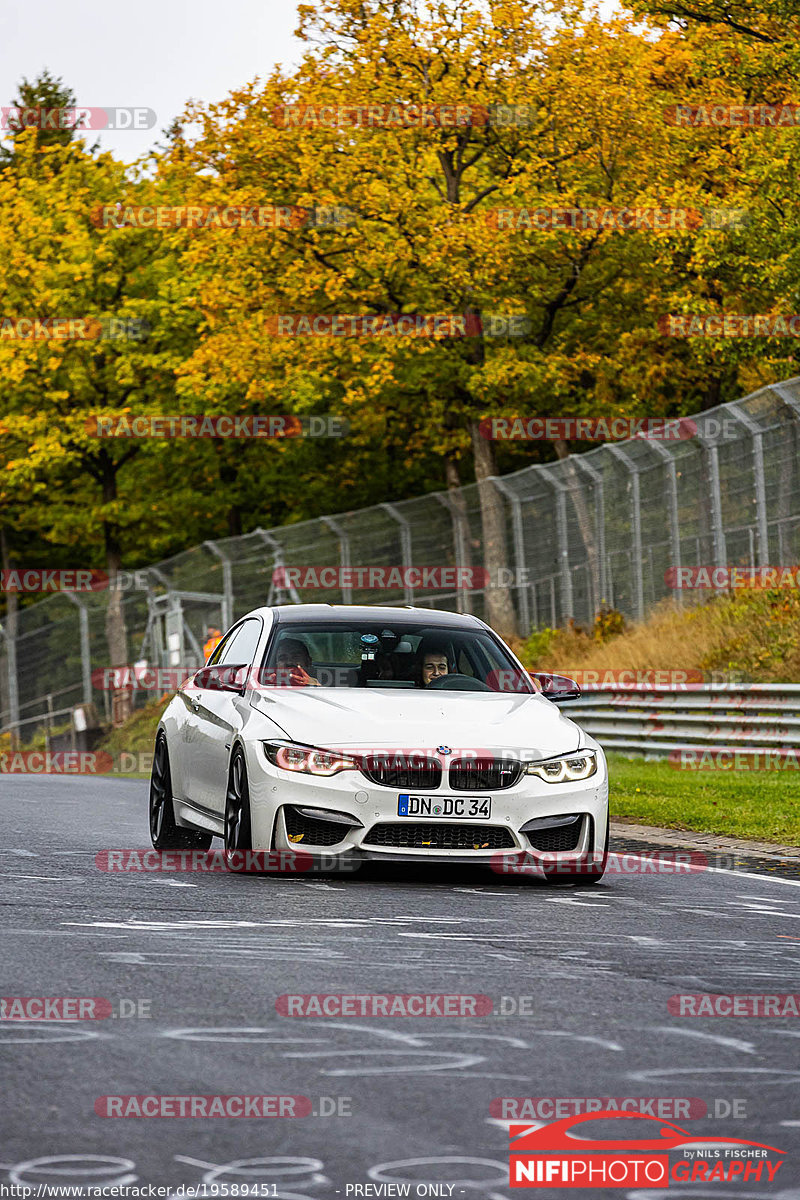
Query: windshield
{"type": "Point", "coordinates": [402, 655]}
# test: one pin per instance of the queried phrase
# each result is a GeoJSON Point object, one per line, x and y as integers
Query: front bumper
{"type": "Point", "coordinates": [276, 795]}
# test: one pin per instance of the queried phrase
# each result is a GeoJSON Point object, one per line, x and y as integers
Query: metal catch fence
{"type": "Point", "coordinates": [604, 528]}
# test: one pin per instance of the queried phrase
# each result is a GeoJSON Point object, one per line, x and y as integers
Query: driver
{"type": "Point", "coordinates": [431, 663]}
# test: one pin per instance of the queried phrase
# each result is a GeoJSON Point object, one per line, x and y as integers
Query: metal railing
{"type": "Point", "coordinates": [595, 529]}
{"type": "Point", "coordinates": [746, 716]}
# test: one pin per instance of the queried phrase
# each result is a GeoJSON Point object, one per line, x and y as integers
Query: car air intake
{"type": "Point", "coordinates": [483, 774]}
{"type": "Point", "coordinates": [403, 771]}
{"type": "Point", "coordinates": [561, 837]}
{"type": "Point", "coordinates": [439, 836]}
{"type": "Point", "coordinates": [312, 831]}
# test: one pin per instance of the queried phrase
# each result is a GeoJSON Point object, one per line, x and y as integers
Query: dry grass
{"type": "Point", "coordinates": [751, 634]}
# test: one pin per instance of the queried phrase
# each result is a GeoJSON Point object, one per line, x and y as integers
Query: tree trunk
{"type": "Point", "coordinates": [463, 537]}
{"type": "Point", "coordinates": [116, 630]}
{"type": "Point", "coordinates": [499, 601]}
{"type": "Point", "coordinates": [584, 521]}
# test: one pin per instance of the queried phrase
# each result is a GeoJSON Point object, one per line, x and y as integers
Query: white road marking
{"type": "Point", "coordinates": [49, 1031]}
{"type": "Point", "coordinates": [174, 883]}
{"type": "Point", "coordinates": [46, 878]}
{"type": "Point", "coordinates": [379, 1171]}
{"type": "Point", "coordinates": [766, 899]}
{"type": "Point", "coordinates": [579, 1037]}
{"type": "Point", "coordinates": [753, 875]}
{"type": "Point", "coordinates": [52, 1166]}
{"type": "Point", "coordinates": [778, 1077]}
{"type": "Point", "coordinates": [732, 1043]}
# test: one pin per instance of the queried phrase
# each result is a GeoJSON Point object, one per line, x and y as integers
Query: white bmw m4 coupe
{"type": "Point", "coordinates": [353, 734]}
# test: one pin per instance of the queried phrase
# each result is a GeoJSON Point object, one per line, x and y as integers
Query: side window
{"type": "Point", "coordinates": [242, 646]}
{"type": "Point", "coordinates": [222, 647]}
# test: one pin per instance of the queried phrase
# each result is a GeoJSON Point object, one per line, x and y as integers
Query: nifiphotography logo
{"type": "Point", "coordinates": [553, 1156]}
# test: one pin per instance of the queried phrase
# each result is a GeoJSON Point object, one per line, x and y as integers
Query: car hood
{"type": "Point", "coordinates": [375, 718]}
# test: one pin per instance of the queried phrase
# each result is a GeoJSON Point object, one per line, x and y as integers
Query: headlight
{"type": "Point", "coordinates": [307, 759]}
{"type": "Point", "coordinates": [567, 768]}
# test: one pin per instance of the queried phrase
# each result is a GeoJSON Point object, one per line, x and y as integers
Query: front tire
{"type": "Point", "coordinates": [238, 828]}
{"type": "Point", "coordinates": [164, 833]}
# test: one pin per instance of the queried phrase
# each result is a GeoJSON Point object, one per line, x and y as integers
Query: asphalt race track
{"type": "Point", "coordinates": [210, 954]}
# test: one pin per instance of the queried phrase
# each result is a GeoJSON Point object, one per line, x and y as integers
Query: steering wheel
{"type": "Point", "coordinates": [458, 683]}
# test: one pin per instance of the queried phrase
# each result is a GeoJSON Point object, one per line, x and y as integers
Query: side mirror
{"type": "Point", "coordinates": [557, 687]}
{"type": "Point", "coordinates": [226, 678]}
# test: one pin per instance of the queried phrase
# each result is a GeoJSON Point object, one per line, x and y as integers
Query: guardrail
{"type": "Point", "coordinates": [740, 716]}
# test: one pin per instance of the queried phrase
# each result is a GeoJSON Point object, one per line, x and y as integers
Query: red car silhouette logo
{"type": "Point", "coordinates": [557, 1136]}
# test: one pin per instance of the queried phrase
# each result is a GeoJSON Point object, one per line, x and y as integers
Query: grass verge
{"type": "Point", "coordinates": [763, 805]}
{"type": "Point", "coordinates": [131, 746]}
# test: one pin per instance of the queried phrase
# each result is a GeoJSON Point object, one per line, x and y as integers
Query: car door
{"type": "Point", "coordinates": [216, 715]}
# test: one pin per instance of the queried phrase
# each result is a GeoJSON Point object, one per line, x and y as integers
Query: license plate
{"type": "Point", "coordinates": [409, 805]}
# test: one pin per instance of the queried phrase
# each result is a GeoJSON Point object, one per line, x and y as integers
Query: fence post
{"type": "Point", "coordinates": [714, 496]}
{"type": "Point", "coordinates": [277, 564]}
{"type": "Point", "coordinates": [13, 684]}
{"type": "Point", "coordinates": [344, 555]}
{"type": "Point", "coordinates": [86, 657]}
{"type": "Point", "coordinates": [405, 547]}
{"type": "Point", "coordinates": [563, 544]}
{"type": "Point", "coordinates": [794, 405]}
{"type": "Point", "coordinates": [524, 619]}
{"type": "Point", "coordinates": [760, 485]}
{"type": "Point", "coordinates": [636, 528]}
{"type": "Point", "coordinates": [227, 583]}
{"type": "Point", "coordinates": [674, 522]}
{"type": "Point", "coordinates": [462, 599]}
{"type": "Point", "coordinates": [600, 516]}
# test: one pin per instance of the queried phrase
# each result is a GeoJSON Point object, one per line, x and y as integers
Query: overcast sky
{"type": "Point", "coordinates": [150, 54]}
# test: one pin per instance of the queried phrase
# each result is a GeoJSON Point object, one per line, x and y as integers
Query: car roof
{"type": "Point", "coordinates": [334, 613]}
